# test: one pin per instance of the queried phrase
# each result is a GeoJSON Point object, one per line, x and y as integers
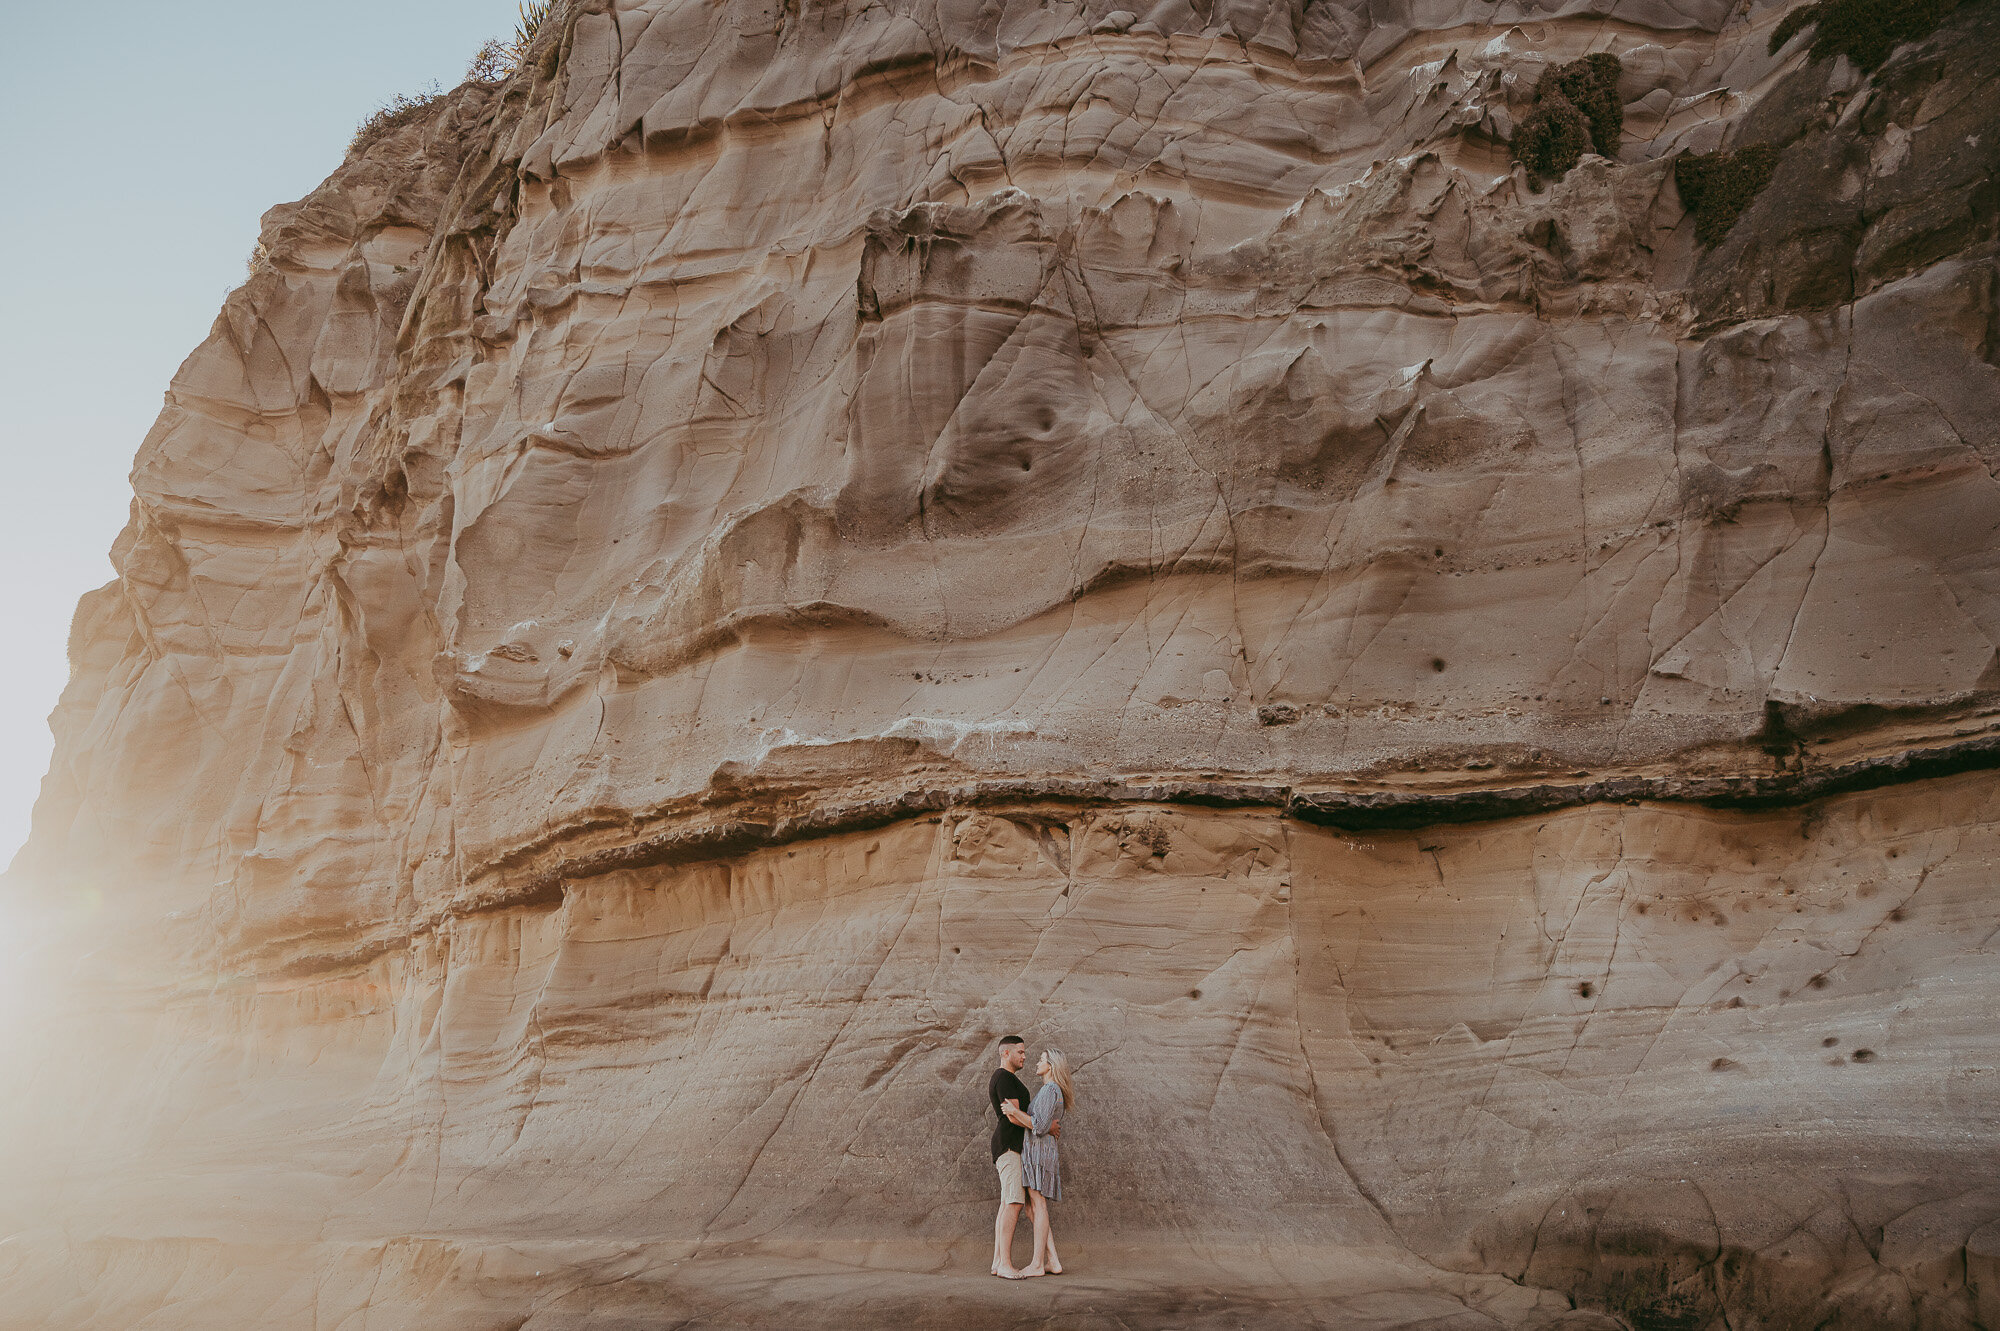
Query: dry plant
{"type": "Point", "coordinates": [393, 114]}
{"type": "Point", "coordinates": [496, 60]}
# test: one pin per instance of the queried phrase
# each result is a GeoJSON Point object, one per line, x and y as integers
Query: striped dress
{"type": "Point", "coordinates": [1040, 1169]}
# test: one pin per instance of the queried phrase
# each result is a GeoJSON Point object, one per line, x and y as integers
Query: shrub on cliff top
{"type": "Point", "coordinates": [1864, 31]}
{"type": "Point", "coordinates": [497, 59]}
{"type": "Point", "coordinates": [490, 63]}
{"type": "Point", "coordinates": [1717, 187]}
{"type": "Point", "coordinates": [1576, 109]}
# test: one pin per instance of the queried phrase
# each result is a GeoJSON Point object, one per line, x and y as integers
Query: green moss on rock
{"type": "Point", "coordinates": [1865, 31]}
{"type": "Point", "coordinates": [1552, 139]}
{"type": "Point", "coordinates": [1591, 86]}
{"type": "Point", "coordinates": [1717, 187]}
{"type": "Point", "coordinates": [1576, 109]}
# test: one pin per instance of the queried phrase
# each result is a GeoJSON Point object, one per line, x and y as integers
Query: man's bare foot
{"type": "Point", "coordinates": [1027, 1271]}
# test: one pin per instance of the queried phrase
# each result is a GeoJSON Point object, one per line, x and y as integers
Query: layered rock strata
{"type": "Point", "coordinates": [696, 587]}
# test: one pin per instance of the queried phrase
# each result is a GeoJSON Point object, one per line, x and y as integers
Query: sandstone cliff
{"type": "Point", "coordinates": [694, 588]}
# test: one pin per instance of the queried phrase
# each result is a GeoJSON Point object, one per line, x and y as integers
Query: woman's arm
{"type": "Point", "coordinates": [1015, 1116]}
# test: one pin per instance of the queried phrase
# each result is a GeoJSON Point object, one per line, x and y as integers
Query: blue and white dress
{"type": "Point", "coordinates": [1040, 1168]}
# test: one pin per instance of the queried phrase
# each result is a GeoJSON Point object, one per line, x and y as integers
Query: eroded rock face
{"type": "Point", "coordinates": [693, 590]}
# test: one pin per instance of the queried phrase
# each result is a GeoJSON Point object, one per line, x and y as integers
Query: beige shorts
{"type": "Point", "coordinates": [1011, 1191]}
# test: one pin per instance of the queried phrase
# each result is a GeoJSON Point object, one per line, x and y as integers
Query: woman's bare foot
{"type": "Point", "coordinates": [1027, 1271]}
{"type": "Point", "coordinates": [1009, 1273]}
{"type": "Point", "coordinates": [1054, 1268]}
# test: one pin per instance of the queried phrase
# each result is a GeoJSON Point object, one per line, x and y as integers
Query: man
{"type": "Point", "coordinates": [1002, 1087]}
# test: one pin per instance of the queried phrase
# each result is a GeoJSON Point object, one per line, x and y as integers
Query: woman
{"type": "Point", "coordinates": [1040, 1169]}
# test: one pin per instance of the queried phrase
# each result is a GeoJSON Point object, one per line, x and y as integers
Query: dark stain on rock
{"type": "Point", "coordinates": [1804, 240]}
{"type": "Point", "coordinates": [1865, 31]}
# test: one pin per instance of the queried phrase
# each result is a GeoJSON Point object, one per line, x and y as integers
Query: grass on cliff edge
{"type": "Point", "coordinates": [400, 110]}
{"type": "Point", "coordinates": [493, 61]}
{"type": "Point", "coordinates": [1865, 31]}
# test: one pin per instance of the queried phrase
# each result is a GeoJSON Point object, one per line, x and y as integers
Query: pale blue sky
{"type": "Point", "coordinates": [145, 139]}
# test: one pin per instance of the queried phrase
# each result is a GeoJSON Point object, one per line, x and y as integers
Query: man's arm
{"type": "Point", "coordinates": [1011, 1111]}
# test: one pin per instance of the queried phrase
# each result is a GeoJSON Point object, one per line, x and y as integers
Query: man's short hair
{"type": "Point", "coordinates": [1006, 1040]}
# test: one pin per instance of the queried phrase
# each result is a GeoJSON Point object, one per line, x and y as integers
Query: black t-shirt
{"type": "Point", "coordinates": [1008, 1135]}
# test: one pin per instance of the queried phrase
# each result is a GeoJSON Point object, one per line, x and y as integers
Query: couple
{"type": "Point", "coordinates": [1024, 1151]}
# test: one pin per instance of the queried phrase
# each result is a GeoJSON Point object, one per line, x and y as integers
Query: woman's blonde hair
{"type": "Point", "coordinates": [1059, 1074]}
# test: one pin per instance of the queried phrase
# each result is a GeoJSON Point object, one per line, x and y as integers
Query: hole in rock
{"type": "Point", "coordinates": [1736, 1001]}
{"type": "Point", "coordinates": [954, 951]}
{"type": "Point", "coordinates": [1194, 993]}
{"type": "Point", "coordinates": [1437, 663]}
{"type": "Point", "coordinates": [1863, 1055]}
{"type": "Point", "coordinates": [1898, 915]}
{"type": "Point", "coordinates": [1829, 1042]}
{"type": "Point", "coordinates": [1586, 989]}
{"type": "Point", "coordinates": [1723, 1065]}
{"type": "Point", "coordinates": [1817, 982]}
